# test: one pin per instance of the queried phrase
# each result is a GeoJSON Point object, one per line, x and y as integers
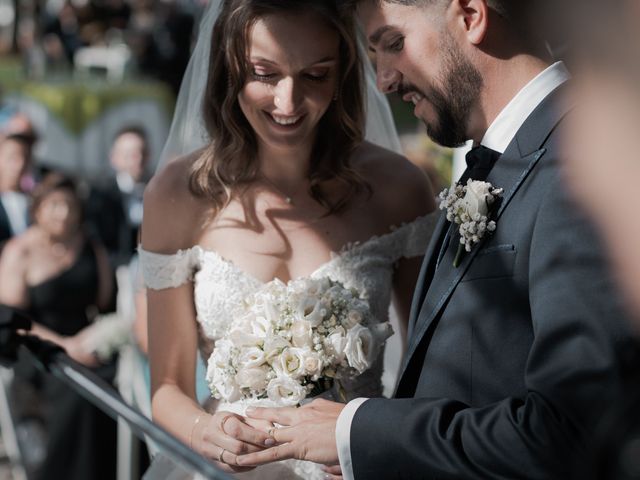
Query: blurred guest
{"type": "Point", "coordinates": [602, 40]}
{"type": "Point", "coordinates": [113, 13]}
{"type": "Point", "coordinates": [62, 36]}
{"type": "Point", "coordinates": [162, 47]}
{"type": "Point", "coordinates": [54, 271]}
{"type": "Point", "coordinates": [115, 210]}
{"type": "Point", "coordinates": [604, 164]}
{"type": "Point", "coordinates": [16, 141]}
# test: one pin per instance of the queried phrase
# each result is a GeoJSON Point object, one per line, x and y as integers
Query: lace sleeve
{"type": "Point", "coordinates": [412, 239]}
{"type": "Point", "coordinates": [167, 271]}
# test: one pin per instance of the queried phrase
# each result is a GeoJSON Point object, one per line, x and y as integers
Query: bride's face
{"type": "Point", "coordinates": [293, 77]}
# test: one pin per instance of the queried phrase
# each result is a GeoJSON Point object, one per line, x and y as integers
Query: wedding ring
{"type": "Point", "coordinates": [222, 422]}
{"type": "Point", "coordinates": [270, 431]}
{"type": "Point", "coordinates": [220, 459]}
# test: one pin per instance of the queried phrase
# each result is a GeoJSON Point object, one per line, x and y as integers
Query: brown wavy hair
{"type": "Point", "coordinates": [230, 159]}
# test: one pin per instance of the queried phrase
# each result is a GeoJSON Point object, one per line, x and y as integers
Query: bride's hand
{"type": "Point", "coordinates": [333, 472]}
{"type": "Point", "coordinates": [224, 435]}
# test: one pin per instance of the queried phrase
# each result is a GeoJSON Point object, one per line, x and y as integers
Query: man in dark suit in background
{"type": "Point", "coordinates": [16, 142]}
{"type": "Point", "coordinates": [114, 211]}
{"type": "Point", "coordinates": [512, 354]}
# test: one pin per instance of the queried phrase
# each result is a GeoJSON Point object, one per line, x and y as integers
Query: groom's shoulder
{"type": "Point", "coordinates": [397, 183]}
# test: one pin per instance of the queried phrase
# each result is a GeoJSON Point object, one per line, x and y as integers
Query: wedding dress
{"type": "Point", "coordinates": [220, 288]}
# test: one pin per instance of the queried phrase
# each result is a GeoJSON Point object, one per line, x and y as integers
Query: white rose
{"type": "Point", "coordinates": [273, 345]}
{"type": "Point", "coordinates": [250, 331]}
{"type": "Point", "coordinates": [253, 378]}
{"type": "Point", "coordinates": [360, 348]}
{"type": "Point", "coordinates": [286, 391]}
{"type": "Point", "coordinates": [310, 310]}
{"type": "Point", "coordinates": [310, 286]}
{"type": "Point", "coordinates": [290, 363]}
{"type": "Point", "coordinates": [313, 364]}
{"type": "Point", "coordinates": [353, 318]}
{"type": "Point", "coordinates": [335, 343]}
{"type": "Point", "coordinates": [222, 354]}
{"type": "Point", "coordinates": [224, 386]}
{"type": "Point", "coordinates": [251, 357]}
{"type": "Point", "coordinates": [476, 200]}
{"type": "Point", "coordinates": [266, 306]}
{"type": "Point", "coordinates": [301, 334]}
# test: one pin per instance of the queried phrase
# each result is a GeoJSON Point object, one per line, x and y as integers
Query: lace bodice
{"type": "Point", "coordinates": [220, 286]}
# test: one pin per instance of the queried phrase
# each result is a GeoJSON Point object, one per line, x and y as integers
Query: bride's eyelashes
{"type": "Point", "coordinates": [263, 77]}
{"type": "Point", "coordinates": [315, 76]}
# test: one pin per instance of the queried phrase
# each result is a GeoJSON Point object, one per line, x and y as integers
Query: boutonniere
{"type": "Point", "coordinates": [469, 206]}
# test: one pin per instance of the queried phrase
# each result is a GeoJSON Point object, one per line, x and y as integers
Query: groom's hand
{"type": "Point", "coordinates": [306, 433]}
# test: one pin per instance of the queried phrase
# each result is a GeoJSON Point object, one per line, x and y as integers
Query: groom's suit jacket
{"type": "Point", "coordinates": [511, 357]}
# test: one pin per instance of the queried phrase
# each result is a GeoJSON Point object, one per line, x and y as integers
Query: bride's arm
{"type": "Point", "coordinates": [171, 222]}
{"type": "Point", "coordinates": [402, 195]}
{"type": "Point", "coordinates": [409, 197]}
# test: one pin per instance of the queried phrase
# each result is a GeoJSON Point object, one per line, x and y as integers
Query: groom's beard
{"type": "Point", "coordinates": [461, 84]}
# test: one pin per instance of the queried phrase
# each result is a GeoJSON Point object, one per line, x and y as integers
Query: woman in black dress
{"type": "Point", "coordinates": [60, 276]}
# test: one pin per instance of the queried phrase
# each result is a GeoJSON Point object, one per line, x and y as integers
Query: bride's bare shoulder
{"type": "Point", "coordinates": [400, 188]}
{"type": "Point", "coordinates": [173, 215]}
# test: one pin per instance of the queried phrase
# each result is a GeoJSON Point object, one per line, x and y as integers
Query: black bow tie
{"type": "Point", "coordinates": [480, 161]}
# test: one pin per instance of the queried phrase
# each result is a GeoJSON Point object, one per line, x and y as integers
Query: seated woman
{"type": "Point", "coordinates": [54, 271]}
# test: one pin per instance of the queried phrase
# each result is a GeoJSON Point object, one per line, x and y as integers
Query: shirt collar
{"type": "Point", "coordinates": [508, 122]}
{"type": "Point", "coordinates": [125, 182]}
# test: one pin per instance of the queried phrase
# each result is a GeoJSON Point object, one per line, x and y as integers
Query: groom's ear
{"type": "Point", "coordinates": [470, 19]}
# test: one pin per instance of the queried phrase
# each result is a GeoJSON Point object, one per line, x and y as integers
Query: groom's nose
{"type": "Point", "coordinates": [387, 78]}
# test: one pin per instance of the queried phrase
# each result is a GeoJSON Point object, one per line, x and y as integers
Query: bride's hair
{"type": "Point", "coordinates": [230, 159]}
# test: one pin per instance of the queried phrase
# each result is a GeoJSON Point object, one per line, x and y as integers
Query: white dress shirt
{"type": "Point", "coordinates": [16, 206]}
{"type": "Point", "coordinates": [497, 137]}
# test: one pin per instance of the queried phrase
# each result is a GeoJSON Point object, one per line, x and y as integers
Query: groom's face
{"type": "Point", "coordinates": [417, 57]}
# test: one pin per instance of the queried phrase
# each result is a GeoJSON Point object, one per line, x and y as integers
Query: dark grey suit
{"type": "Point", "coordinates": [511, 356]}
{"type": "Point", "coordinates": [5, 226]}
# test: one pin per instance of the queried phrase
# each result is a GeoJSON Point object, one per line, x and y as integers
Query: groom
{"type": "Point", "coordinates": [511, 355]}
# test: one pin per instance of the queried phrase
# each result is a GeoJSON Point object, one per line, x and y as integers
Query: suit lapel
{"type": "Point", "coordinates": [513, 167]}
{"type": "Point", "coordinates": [427, 269]}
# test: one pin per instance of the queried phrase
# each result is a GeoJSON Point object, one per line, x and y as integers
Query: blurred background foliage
{"type": "Point", "coordinates": [77, 60]}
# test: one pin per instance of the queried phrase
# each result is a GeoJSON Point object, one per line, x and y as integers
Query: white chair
{"type": "Point", "coordinates": [112, 60]}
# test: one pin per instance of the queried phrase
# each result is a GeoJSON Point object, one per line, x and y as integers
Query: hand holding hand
{"type": "Point", "coordinates": [224, 435]}
{"type": "Point", "coordinates": [307, 433]}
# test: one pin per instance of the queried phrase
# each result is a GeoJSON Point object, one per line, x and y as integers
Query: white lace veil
{"type": "Point", "coordinates": [188, 133]}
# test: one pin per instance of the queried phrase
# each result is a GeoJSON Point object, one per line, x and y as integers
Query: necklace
{"type": "Point", "coordinates": [287, 198]}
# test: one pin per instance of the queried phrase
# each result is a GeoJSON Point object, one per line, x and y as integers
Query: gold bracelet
{"type": "Point", "coordinates": [195, 422]}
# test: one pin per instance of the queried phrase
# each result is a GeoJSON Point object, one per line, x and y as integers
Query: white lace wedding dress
{"type": "Point", "coordinates": [220, 288]}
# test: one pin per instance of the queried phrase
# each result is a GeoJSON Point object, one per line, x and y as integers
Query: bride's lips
{"type": "Point", "coordinates": [285, 123]}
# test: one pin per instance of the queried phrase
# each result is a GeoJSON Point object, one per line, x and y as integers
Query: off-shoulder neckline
{"type": "Point", "coordinates": [347, 249]}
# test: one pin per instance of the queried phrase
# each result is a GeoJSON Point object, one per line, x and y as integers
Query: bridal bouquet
{"type": "Point", "coordinates": [295, 339]}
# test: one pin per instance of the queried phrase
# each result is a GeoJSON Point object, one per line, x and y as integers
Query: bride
{"type": "Point", "coordinates": [285, 187]}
